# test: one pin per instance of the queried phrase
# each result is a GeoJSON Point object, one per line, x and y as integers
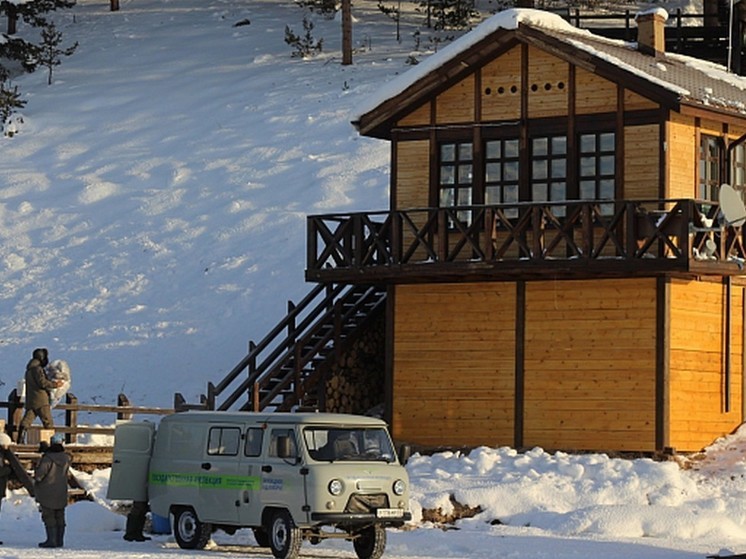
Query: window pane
{"type": "Point", "coordinates": [464, 152]}
{"type": "Point", "coordinates": [464, 196]}
{"type": "Point", "coordinates": [540, 170]}
{"type": "Point", "coordinates": [447, 197]}
{"type": "Point", "coordinates": [493, 149]}
{"type": "Point", "coordinates": [559, 145]}
{"type": "Point", "coordinates": [607, 165]}
{"type": "Point", "coordinates": [558, 191]}
{"type": "Point", "coordinates": [587, 166]}
{"type": "Point", "coordinates": [511, 194]}
{"type": "Point", "coordinates": [606, 189]}
{"type": "Point", "coordinates": [492, 195]}
{"type": "Point", "coordinates": [510, 148]}
{"type": "Point", "coordinates": [607, 142]}
{"type": "Point", "coordinates": [540, 146]}
{"type": "Point", "coordinates": [588, 143]}
{"type": "Point", "coordinates": [539, 192]}
{"type": "Point", "coordinates": [587, 190]}
{"type": "Point", "coordinates": [447, 175]}
{"type": "Point", "coordinates": [558, 169]}
{"type": "Point", "coordinates": [448, 152]}
{"type": "Point", "coordinates": [511, 171]}
{"type": "Point", "coordinates": [464, 174]}
{"type": "Point", "coordinates": [492, 172]}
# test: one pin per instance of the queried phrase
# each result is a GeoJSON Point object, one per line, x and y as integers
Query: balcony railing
{"type": "Point", "coordinates": [509, 241]}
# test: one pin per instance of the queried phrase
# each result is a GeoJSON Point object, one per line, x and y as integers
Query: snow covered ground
{"type": "Point", "coordinates": [152, 221]}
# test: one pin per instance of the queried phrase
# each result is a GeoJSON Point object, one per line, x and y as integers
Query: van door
{"type": "Point", "coordinates": [282, 482]}
{"type": "Point", "coordinates": [133, 445]}
{"type": "Point", "coordinates": [220, 481]}
{"type": "Point", "coordinates": [250, 510]}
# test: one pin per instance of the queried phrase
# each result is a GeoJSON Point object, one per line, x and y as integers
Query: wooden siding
{"type": "Point", "coordinates": [453, 364]}
{"type": "Point", "coordinates": [633, 101]}
{"type": "Point", "coordinates": [641, 162]}
{"type": "Point", "coordinates": [681, 155]}
{"type": "Point", "coordinates": [697, 413]}
{"type": "Point", "coordinates": [418, 117]}
{"type": "Point", "coordinates": [412, 174]}
{"type": "Point", "coordinates": [547, 84]}
{"type": "Point", "coordinates": [594, 94]}
{"type": "Point", "coordinates": [590, 365]}
{"type": "Point", "coordinates": [501, 87]}
{"type": "Point", "coordinates": [456, 104]}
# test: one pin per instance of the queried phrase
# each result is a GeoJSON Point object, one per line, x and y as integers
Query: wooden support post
{"type": "Point", "coordinates": [123, 402]}
{"type": "Point", "coordinates": [71, 418]}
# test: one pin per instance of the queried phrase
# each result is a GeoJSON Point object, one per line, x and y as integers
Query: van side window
{"type": "Point", "coordinates": [224, 441]}
{"type": "Point", "coordinates": [253, 441]}
{"type": "Point", "coordinates": [276, 433]}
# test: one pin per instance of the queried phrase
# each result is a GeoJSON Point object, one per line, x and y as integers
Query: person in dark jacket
{"type": "Point", "coordinates": [50, 488]}
{"type": "Point", "coordinates": [5, 469]}
{"type": "Point", "coordinates": [37, 393]}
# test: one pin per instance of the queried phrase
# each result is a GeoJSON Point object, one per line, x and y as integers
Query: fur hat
{"type": "Point", "coordinates": [42, 355]}
{"type": "Point", "coordinates": [4, 440]}
{"type": "Point", "coordinates": [57, 438]}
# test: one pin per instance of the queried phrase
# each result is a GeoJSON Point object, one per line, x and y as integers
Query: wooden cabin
{"type": "Point", "coordinates": [559, 271]}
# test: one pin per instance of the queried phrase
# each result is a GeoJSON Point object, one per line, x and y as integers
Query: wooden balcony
{"type": "Point", "coordinates": [572, 239]}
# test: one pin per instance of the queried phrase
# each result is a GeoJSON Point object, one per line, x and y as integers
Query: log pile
{"type": "Point", "coordinates": [355, 383]}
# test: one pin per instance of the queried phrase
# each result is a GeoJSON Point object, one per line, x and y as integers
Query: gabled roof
{"type": "Point", "coordinates": [669, 78]}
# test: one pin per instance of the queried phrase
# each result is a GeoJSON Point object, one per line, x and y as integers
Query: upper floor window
{"type": "Point", "coordinates": [456, 178]}
{"type": "Point", "coordinates": [597, 169]}
{"type": "Point", "coordinates": [549, 170]}
{"type": "Point", "coordinates": [738, 168]}
{"type": "Point", "coordinates": [501, 173]}
{"type": "Point", "coordinates": [710, 156]}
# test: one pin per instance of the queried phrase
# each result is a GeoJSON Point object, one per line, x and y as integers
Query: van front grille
{"type": "Point", "coordinates": [367, 503]}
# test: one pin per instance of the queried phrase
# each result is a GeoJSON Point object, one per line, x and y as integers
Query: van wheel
{"type": "Point", "coordinates": [284, 536]}
{"type": "Point", "coordinates": [370, 542]}
{"type": "Point", "coordinates": [261, 537]}
{"type": "Point", "coordinates": [189, 532]}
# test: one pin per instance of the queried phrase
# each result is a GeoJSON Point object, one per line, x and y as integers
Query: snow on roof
{"type": "Point", "coordinates": [689, 78]}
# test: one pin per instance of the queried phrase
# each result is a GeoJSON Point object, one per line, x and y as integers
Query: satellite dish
{"type": "Point", "coordinates": [731, 204]}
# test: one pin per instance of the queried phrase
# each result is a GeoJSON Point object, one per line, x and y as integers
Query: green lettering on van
{"type": "Point", "coordinates": [250, 483]}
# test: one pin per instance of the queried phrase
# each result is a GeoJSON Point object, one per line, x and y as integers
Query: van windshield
{"type": "Point", "coordinates": [328, 444]}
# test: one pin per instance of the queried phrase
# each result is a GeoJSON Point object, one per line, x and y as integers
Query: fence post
{"type": "Point", "coordinates": [123, 402]}
{"type": "Point", "coordinates": [15, 410]}
{"type": "Point", "coordinates": [71, 418]}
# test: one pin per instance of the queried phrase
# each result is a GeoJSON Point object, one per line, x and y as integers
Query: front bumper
{"type": "Point", "coordinates": [359, 518]}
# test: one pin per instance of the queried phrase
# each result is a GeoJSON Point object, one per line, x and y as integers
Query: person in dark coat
{"type": "Point", "coordinates": [50, 488]}
{"type": "Point", "coordinates": [5, 469]}
{"type": "Point", "coordinates": [37, 393]}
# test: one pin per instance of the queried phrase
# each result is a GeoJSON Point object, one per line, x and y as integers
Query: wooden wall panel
{"type": "Point", "coordinates": [590, 365]}
{"type": "Point", "coordinates": [641, 162]}
{"type": "Point", "coordinates": [633, 101]}
{"type": "Point", "coordinates": [547, 84]}
{"type": "Point", "coordinates": [418, 117]}
{"type": "Point", "coordinates": [412, 174]}
{"type": "Point", "coordinates": [456, 104]}
{"type": "Point", "coordinates": [454, 365]}
{"type": "Point", "coordinates": [594, 94]}
{"type": "Point", "coordinates": [682, 154]}
{"type": "Point", "coordinates": [697, 413]}
{"type": "Point", "coordinates": [501, 87]}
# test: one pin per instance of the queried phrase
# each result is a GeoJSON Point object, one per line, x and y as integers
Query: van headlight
{"type": "Point", "coordinates": [399, 487]}
{"type": "Point", "coordinates": [336, 487]}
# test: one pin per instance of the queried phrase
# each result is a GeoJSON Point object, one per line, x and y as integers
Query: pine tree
{"type": "Point", "coordinates": [48, 53]}
{"type": "Point", "coordinates": [10, 100]}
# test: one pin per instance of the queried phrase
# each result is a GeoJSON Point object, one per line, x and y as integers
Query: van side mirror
{"type": "Point", "coordinates": [405, 451]}
{"type": "Point", "coordinates": [283, 447]}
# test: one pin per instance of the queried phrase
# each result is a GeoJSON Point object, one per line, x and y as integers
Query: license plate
{"type": "Point", "coordinates": [389, 513]}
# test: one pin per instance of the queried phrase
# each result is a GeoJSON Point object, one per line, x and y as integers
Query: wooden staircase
{"type": "Point", "coordinates": [285, 371]}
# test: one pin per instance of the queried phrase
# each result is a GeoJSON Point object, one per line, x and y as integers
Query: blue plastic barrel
{"type": "Point", "coordinates": [161, 524]}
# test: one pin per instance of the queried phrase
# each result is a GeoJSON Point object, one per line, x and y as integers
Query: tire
{"type": "Point", "coordinates": [370, 542]}
{"type": "Point", "coordinates": [284, 536]}
{"type": "Point", "coordinates": [261, 537]}
{"type": "Point", "coordinates": [189, 532]}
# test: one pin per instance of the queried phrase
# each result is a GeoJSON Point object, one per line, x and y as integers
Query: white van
{"type": "Point", "coordinates": [288, 476]}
